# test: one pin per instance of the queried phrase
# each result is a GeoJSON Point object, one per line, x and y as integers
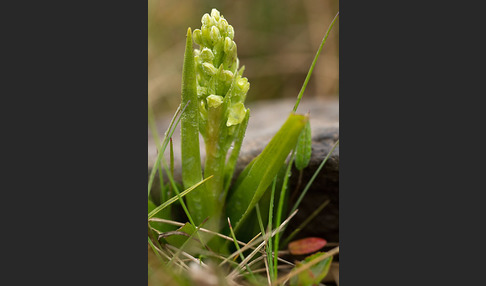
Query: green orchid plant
{"type": "Point", "coordinates": [216, 93]}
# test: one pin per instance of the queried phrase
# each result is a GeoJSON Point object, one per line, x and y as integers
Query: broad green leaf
{"type": "Point", "coordinates": [263, 168]}
{"type": "Point", "coordinates": [190, 154]}
{"type": "Point", "coordinates": [303, 150]}
{"type": "Point", "coordinates": [313, 275]}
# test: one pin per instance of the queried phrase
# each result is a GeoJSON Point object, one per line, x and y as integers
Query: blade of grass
{"type": "Point", "coordinates": [311, 69]}
{"type": "Point", "coordinates": [280, 210]}
{"type": "Point", "coordinates": [178, 196]}
{"type": "Point", "coordinates": [284, 267]}
{"type": "Point", "coordinates": [201, 229]}
{"type": "Point", "coordinates": [313, 177]}
{"type": "Point", "coordinates": [153, 127]}
{"type": "Point", "coordinates": [256, 250]}
{"type": "Point", "coordinates": [269, 227]}
{"type": "Point", "coordinates": [181, 263]}
{"type": "Point", "coordinates": [164, 192]}
{"type": "Point", "coordinates": [174, 187]}
{"type": "Point", "coordinates": [178, 252]}
{"type": "Point", "coordinates": [249, 245]}
{"type": "Point", "coordinates": [238, 247]}
{"type": "Point", "coordinates": [268, 249]}
{"type": "Point", "coordinates": [266, 238]}
{"type": "Point", "coordinates": [167, 135]}
{"type": "Point", "coordinates": [307, 220]}
{"type": "Point", "coordinates": [268, 271]}
{"type": "Point", "coordinates": [171, 158]}
{"type": "Point", "coordinates": [259, 217]}
{"type": "Point", "coordinates": [155, 134]}
{"type": "Point", "coordinates": [154, 249]}
{"type": "Point", "coordinates": [256, 260]}
{"type": "Point", "coordinates": [308, 265]}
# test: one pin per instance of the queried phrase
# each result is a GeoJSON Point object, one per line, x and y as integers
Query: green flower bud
{"type": "Point", "coordinates": [230, 55]}
{"type": "Point", "coordinates": [206, 20]}
{"type": "Point", "coordinates": [214, 34]}
{"type": "Point", "coordinates": [214, 101]}
{"type": "Point", "coordinates": [231, 32]}
{"type": "Point", "coordinates": [228, 44]}
{"type": "Point", "coordinates": [209, 69]}
{"type": "Point", "coordinates": [227, 76]}
{"type": "Point", "coordinates": [197, 37]}
{"type": "Point", "coordinates": [201, 91]}
{"type": "Point", "coordinates": [215, 14]}
{"type": "Point", "coordinates": [236, 115]}
{"type": "Point", "coordinates": [223, 26]}
{"type": "Point", "coordinates": [207, 55]}
{"type": "Point", "coordinates": [243, 85]}
{"type": "Point", "coordinates": [205, 35]}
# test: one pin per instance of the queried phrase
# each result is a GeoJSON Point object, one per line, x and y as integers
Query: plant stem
{"type": "Point", "coordinates": [214, 165]}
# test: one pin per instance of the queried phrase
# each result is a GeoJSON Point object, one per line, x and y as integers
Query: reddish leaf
{"type": "Point", "coordinates": [306, 245]}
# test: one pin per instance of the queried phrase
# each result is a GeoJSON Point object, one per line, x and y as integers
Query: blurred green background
{"type": "Point", "coordinates": [276, 39]}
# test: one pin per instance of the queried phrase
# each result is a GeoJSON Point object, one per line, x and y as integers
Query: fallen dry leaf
{"type": "Point", "coordinates": [306, 245]}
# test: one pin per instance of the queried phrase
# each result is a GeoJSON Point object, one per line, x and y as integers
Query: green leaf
{"type": "Point", "coordinates": [303, 150]}
{"type": "Point", "coordinates": [178, 240]}
{"type": "Point", "coordinates": [258, 175]}
{"type": "Point", "coordinates": [190, 154]}
{"type": "Point", "coordinates": [314, 274]}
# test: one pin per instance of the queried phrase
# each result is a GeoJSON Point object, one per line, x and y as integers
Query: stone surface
{"type": "Point", "coordinates": [265, 119]}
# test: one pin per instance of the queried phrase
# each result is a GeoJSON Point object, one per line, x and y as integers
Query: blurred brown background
{"type": "Point", "coordinates": [276, 39]}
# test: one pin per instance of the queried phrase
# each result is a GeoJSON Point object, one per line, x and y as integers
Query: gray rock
{"type": "Point", "coordinates": [265, 119]}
